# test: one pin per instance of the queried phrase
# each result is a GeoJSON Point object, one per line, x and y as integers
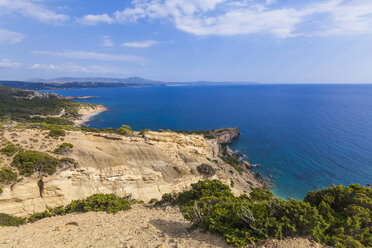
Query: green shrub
{"type": "Point", "coordinates": [125, 130]}
{"type": "Point", "coordinates": [8, 220]}
{"type": "Point", "coordinates": [7, 175]}
{"type": "Point", "coordinates": [64, 148]}
{"type": "Point", "coordinates": [1, 190]}
{"type": "Point", "coordinates": [109, 203]}
{"type": "Point", "coordinates": [234, 163]}
{"type": "Point", "coordinates": [50, 120]}
{"type": "Point", "coordinates": [56, 131]}
{"type": "Point", "coordinates": [348, 211]}
{"type": "Point", "coordinates": [338, 216]}
{"type": "Point", "coordinates": [29, 162]}
{"type": "Point", "coordinates": [206, 169]}
{"type": "Point", "coordinates": [69, 161]}
{"type": "Point", "coordinates": [9, 150]}
{"type": "Point", "coordinates": [144, 131]}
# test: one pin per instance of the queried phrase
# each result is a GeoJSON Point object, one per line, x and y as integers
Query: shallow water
{"type": "Point", "coordinates": [305, 136]}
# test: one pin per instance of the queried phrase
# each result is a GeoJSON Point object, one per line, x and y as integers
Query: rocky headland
{"type": "Point", "coordinates": [142, 166]}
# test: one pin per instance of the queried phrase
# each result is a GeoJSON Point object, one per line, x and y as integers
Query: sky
{"type": "Point", "coordinates": [266, 41]}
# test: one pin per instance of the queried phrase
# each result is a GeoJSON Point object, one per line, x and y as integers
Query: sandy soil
{"type": "Point", "coordinates": [138, 227]}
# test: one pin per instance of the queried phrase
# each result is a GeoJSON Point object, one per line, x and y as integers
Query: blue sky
{"type": "Point", "coordinates": [268, 41]}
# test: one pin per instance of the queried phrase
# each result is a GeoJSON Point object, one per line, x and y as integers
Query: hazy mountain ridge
{"type": "Point", "coordinates": [100, 82]}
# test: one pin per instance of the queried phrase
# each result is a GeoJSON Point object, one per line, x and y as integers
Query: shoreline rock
{"type": "Point", "coordinates": [225, 135]}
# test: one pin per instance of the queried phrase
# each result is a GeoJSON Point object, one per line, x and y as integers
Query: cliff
{"type": "Point", "coordinates": [143, 167]}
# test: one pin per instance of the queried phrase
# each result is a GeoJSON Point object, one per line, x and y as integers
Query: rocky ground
{"type": "Point", "coordinates": [141, 226]}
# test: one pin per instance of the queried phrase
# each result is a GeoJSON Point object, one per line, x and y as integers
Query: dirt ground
{"type": "Point", "coordinates": [141, 226]}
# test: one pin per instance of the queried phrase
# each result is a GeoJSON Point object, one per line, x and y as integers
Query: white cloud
{"type": "Point", "coordinates": [231, 17]}
{"type": "Point", "coordinates": [71, 67]}
{"type": "Point", "coordinates": [92, 56]}
{"type": "Point", "coordinates": [140, 44]}
{"type": "Point", "coordinates": [29, 8]}
{"type": "Point", "coordinates": [10, 37]}
{"type": "Point", "coordinates": [96, 19]}
{"type": "Point", "coordinates": [7, 63]}
{"type": "Point", "coordinates": [106, 41]}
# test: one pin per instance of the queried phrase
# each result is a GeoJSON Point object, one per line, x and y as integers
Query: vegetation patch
{"type": "Point", "coordinates": [206, 169]}
{"type": "Point", "coordinates": [125, 130]}
{"type": "Point", "coordinates": [56, 131]}
{"type": "Point", "coordinates": [109, 203]}
{"type": "Point", "coordinates": [235, 163]}
{"type": "Point", "coordinates": [9, 150]}
{"type": "Point", "coordinates": [68, 161]}
{"type": "Point", "coordinates": [144, 131]}
{"type": "Point", "coordinates": [30, 162]}
{"type": "Point", "coordinates": [64, 148]}
{"type": "Point", "coordinates": [50, 120]}
{"type": "Point", "coordinates": [338, 216]}
{"type": "Point", "coordinates": [207, 134]}
{"type": "Point", "coordinates": [8, 220]}
{"type": "Point", "coordinates": [7, 175]}
{"type": "Point", "coordinates": [19, 105]}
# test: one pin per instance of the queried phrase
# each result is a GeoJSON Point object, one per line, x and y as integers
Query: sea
{"type": "Point", "coordinates": [305, 137]}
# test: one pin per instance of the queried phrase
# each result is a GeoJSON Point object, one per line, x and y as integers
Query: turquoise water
{"type": "Point", "coordinates": [305, 136]}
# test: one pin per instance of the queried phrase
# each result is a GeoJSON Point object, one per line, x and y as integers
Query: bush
{"type": "Point", "coordinates": [69, 161]}
{"type": "Point", "coordinates": [29, 162]}
{"type": "Point", "coordinates": [125, 130]}
{"type": "Point", "coordinates": [338, 216]}
{"type": "Point", "coordinates": [8, 220]}
{"type": "Point", "coordinates": [64, 148]}
{"type": "Point", "coordinates": [235, 163]}
{"type": "Point", "coordinates": [56, 131]}
{"type": "Point", "coordinates": [206, 169]}
{"type": "Point", "coordinates": [144, 131]}
{"type": "Point", "coordinates": [9, 150]}
{"type": "Point", "coordinates": [50, 120]}
{"type": "Point", "coordinates": [348, 212]}
{"type": "Point", "coordinates": [109, 203]}
{"type": "Point", "coordinates": [1, 190]}
{"type": "Point", "coordinates": [7, 175]}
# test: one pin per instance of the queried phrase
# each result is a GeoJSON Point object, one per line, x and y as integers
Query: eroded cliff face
{"type": "Point", "coordinates": [143, 167]}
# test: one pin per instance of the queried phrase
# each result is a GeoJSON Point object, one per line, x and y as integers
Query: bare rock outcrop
{"type": "Point", "coordinates": [143, 168]}
{"type": "Point", "coordinates": [225, 135]}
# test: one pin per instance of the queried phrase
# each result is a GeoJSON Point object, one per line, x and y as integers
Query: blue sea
{"type": "Point", "coordinates": [305, 136]}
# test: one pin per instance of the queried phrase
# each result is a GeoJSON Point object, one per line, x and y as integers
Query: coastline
{"type": "Point", "coordinates": [87, 113]}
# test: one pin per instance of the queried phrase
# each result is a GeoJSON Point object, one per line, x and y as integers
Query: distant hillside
{"type": "Point", "coordinates": [98, 82]}
{"type": "Point", "coordinates": [80, 83]}
{"type": "Point", "coordinates": [20, 105]}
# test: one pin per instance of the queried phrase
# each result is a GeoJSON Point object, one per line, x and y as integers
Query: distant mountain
{"type": "Point", "coordinates": [130, 80]}
{"type": "Point", "coordinates": [99, 82]}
